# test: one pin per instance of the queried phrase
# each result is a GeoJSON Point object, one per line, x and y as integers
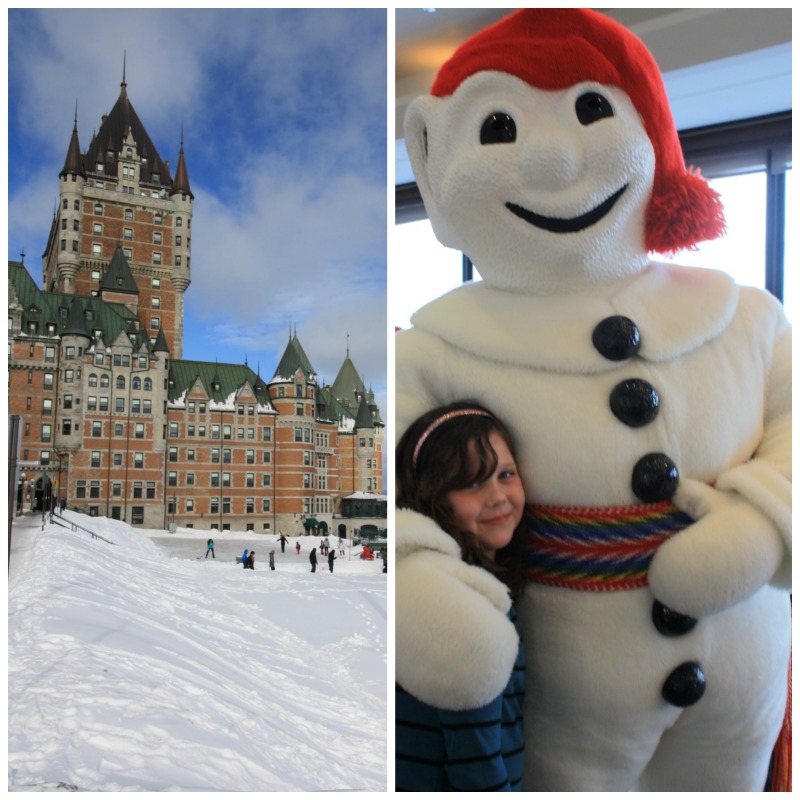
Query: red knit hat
{"type": "Point", "coordinates": [558, 47]}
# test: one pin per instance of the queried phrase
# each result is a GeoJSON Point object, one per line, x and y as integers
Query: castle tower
{"type": "Point", "coordinates": [120, 193]}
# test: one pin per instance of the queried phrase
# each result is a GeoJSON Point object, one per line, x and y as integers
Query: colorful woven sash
{"type": "Point", "coordinates": [597, 549]}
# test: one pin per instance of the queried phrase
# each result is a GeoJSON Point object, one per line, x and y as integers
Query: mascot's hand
{"type": "Point", "coordinates": [455, 647]}
{"type": "Point", "coordinates": [731, 551]}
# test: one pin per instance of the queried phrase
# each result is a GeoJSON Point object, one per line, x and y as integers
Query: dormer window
{"type": "Point", "coordinates": [100, 166]}
{"type": "Point", "coordinates": [129, 153]}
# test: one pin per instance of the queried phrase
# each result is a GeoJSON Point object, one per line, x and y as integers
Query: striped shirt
{"type": "Point", "coordinates": [474, 750]}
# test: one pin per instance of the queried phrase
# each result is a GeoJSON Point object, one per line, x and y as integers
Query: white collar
{"type": "Point", "coordinates": [676, 309]}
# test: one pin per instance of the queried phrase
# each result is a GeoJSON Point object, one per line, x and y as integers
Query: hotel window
{"type": "Point", "coordinates": [173, 429]}
{"type": "Point", "coordinates": [138, 430]}
{"type": "Point", "coordinates": [97, 250]}
{"type": "Point", "coordinates": [215, 478]}
{"type": "Point", "coordinates": [69, 375]}
{"type": "Point", "coordinates": [215, 455]}
{"type": "Point", "coordinates": [250, 505]}
{"type": "Point", "coordinates": [157, 219]}
{"type": "Point", "coordinates": [98, 209]}
{"type": "Point", "coordinates": [138, 460]}
{"type": "Point", "coordinates": [172, 479]}
{"type": "Point", "coordinates": [97, 428]}
{"type": "Point", "coordinates": [226, 508]}
{"type": "Point", "coordinates": [80, 490]}
{"type": "Point", "coordinates": [116, 490]}
{"type": "Point", "coordinates": [117, 459]}
{"type": "Point", "coordinates": [137, 490]}
{"type": "Point", "coordinates": [213, 508]}
{"type": "Point", "coordinates": [267, 457]}
{"type": "Point", "coordinates": [104, 404]}
{"type": "Point", "coordinates": [66, 427]}
{"type": "Point", "coordinates": [189, 505]}
{"type": "Point", "coordinates": [97, 229]}
{"type": "Point", "coordinates": [156, 258]}
{"type": "Point", "coordinates": [226, 431]}
{"type": "Point", "coordinates": [95, 458]}
{"type": "Point", "coordinates": [127, 252]}
{"type": "Point", "coordinates": [46, 432]}
{"type": "Point", "coordinates": [157, 237]}
{"type": "Point", "coordinates": [173, 454]}
{"type": "Point", "coordinates": [190, 454]}
{"type": "Point", "coordinates": [94, 489]}
{"type": "Point", "coordinates": [265, 504]}
{"type": "Point", "coordinates": [47, 406]}
{"type": "Point", "coordinates": [119, 404]}
{"type": "Point", "coordinates": [137, 515]}
{"type": "Point", "coordinates": [48, 380]}
{"type": "Point", "coordinates": [155, 302]}
{"type": "Point", "coordinates": [226, 479]}
{"type": "Point", "coordinates": [190, 478]}
{"type": "Point", "coordinates": [266, 480]}
{"type": "Point", "coordinates": [226, 455]}
{"type": "Point", "coordinates": [151, 490]}
{"type": "Point", "coordinates": [250, 457]}
{"type": "Point", "coordinates": [250, 480]}
{"type": "Point", "coordinates": [119, 429]}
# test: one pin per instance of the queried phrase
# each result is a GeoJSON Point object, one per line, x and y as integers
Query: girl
{"type": "Point", "coordinates": [457, 482]}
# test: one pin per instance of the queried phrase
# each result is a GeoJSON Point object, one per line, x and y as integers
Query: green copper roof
{"type": "Point", "coordinates": [294, 358]}
{"type": "Point", "coordinates": [221, 382]}
{"type": "Point", "coordinates": [364, 416]}
{"type": "Point", "coordinates": [118, 277]}
{"type": "Point", "coordinates": [57, 314]}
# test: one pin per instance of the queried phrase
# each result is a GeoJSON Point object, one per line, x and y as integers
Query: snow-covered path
{"type": "Point", "coordinates": [139, 667]}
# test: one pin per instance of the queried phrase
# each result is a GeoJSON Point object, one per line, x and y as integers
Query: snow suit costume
{"type": "Point", "coordinates": [651, 406]}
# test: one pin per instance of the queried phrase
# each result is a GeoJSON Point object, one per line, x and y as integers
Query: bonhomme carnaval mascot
{"type": "Point", "coordinates": [650, 404]}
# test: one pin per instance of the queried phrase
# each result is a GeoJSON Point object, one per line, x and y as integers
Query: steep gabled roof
{"type": "Point", "coordinates": [118, 277]}
{"type": "Point", "coordinates": [110, 141]}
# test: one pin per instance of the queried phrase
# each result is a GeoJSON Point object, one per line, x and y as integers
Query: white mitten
{"type": "Point", "coordinates": [454, 645]}
{"type": "Point", "coordinates": [731, 551]}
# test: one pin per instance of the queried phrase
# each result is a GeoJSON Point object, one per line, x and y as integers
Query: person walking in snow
{"type": "Point", "coordinates": [251, 560]}
{"type": "Point", "coordinates": [244, 559]}
{"type": "Point", "coordinates": [341, 546]}
{"type": "Point", "coordinates": [210, 548]}
{"type": "Point", "coordinates": [272, 559]}
{"type": "Point", "coordinates": [282, 539]}
{"type": "Point", "coordinates": [297, 545]}
{"type": "Point", "coordinates": [313, 559]}
{"type": "Point", "coordinates": [331, 559]}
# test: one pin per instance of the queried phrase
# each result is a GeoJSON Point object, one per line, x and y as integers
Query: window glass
{"type": "Point", "coordinates": [741, 252]}
{"type": "Point", "coordinates": [790, 298]}
{"type": "Point", "coordinates": [423, 270]}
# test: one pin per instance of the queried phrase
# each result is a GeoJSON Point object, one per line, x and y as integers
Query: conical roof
{"type": "Point", "coordinates": [76, 321]}
{"type": "Point", "coordinates": [181, 182]}
{"type": "Point", "coordinates": [73, 164]}
{"type": "Point", "coordinates": [364, 416]}
{"type": "Point", "coordinates": [294, 358]}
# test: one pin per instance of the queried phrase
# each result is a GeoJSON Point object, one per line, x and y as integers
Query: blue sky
{"type": "Point", "coordinates": [284, 123]}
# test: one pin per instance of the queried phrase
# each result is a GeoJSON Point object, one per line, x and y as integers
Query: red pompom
{"type": "Point", "coordinates": [683, 212]}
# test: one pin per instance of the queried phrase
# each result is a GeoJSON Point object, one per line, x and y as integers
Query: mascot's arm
{"type": "Point", "coordinates": [742, 538]}
{"type": "Point", "coordinates": [455, 647]}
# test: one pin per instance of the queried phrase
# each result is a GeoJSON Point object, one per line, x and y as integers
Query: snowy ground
{"type": "Point", "coordinates": [141, 666]}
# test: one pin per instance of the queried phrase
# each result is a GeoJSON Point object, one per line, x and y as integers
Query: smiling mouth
{"type": "Point", "coordinates": [572, 224]}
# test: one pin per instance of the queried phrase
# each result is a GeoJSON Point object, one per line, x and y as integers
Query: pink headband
{"type": "Point", "coordinates": [461, 412]}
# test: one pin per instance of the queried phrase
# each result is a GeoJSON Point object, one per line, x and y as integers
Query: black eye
{"type": "Point", "coordinates": [591, 107]}
{"type": "Point", "coordinates": [498, 128]}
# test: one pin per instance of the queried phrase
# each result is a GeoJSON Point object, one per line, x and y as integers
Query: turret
{"type": "Point", "coordinates": [68, 234]}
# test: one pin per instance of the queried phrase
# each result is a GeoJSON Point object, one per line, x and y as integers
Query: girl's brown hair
{"type": "Point", "coordinates": [453, 455]}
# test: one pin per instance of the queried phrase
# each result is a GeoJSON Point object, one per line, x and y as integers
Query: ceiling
{"type": "Point", "coordinates": [718, 64]}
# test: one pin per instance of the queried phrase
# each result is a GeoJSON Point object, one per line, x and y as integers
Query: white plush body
{"type": "Point", "coordinates": [720, 358]}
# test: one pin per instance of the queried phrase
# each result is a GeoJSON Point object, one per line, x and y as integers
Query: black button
{"type": "Point", "coordinates": [671, 623]}
{"type": "Point", "coordinates": [634, 402]}
{"type": "Point", "coordinates": [685, 685]}
{"type": "Point", "coordinates": [616, 338]}
{"type": "Point", "coordinates": [655, 478]}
